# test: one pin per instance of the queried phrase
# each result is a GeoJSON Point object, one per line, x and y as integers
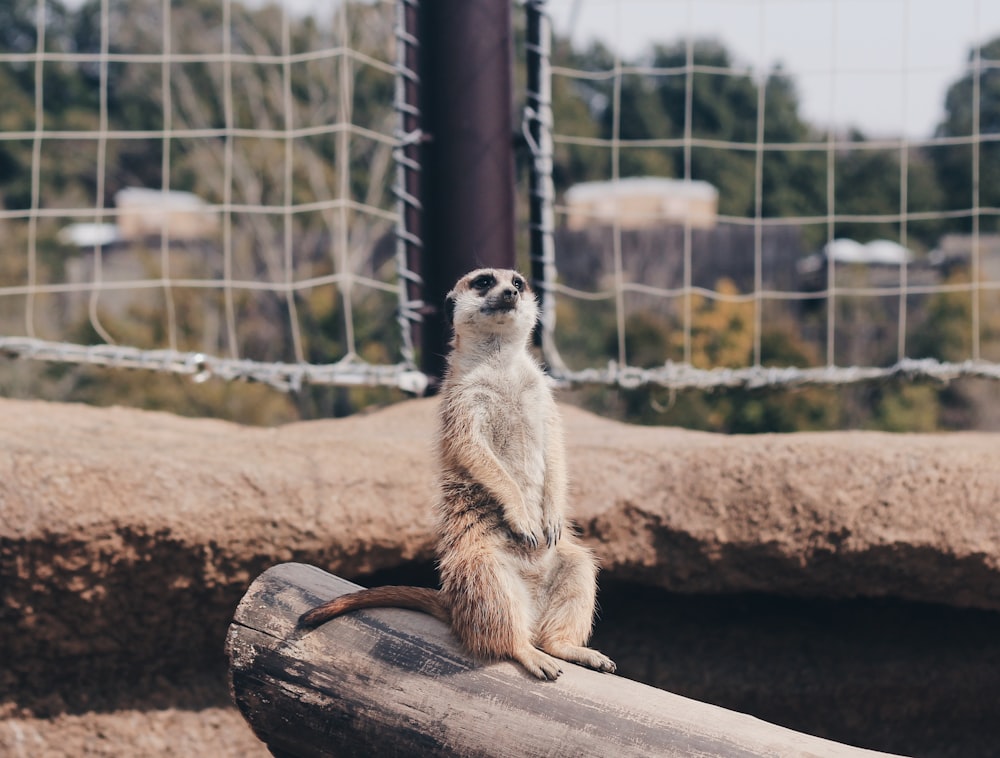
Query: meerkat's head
{"type": "Point", "coordinates": [493, 303]}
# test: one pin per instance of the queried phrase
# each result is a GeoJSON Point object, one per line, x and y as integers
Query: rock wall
{"type": "Point", "coordinates": [127, 538]}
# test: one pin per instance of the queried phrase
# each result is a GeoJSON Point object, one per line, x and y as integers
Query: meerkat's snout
{"type": "Point", "coordinates": [504, 300]}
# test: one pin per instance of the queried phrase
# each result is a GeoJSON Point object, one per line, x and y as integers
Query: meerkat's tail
{"type": "Point", "coordinates": [415, 598]}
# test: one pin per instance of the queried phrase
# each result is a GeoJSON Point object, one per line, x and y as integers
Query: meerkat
{"type": "Point", "coordinates": [515, 581]}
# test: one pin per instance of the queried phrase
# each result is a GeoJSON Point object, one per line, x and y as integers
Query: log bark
{"type": "Point", "coordinates": [394, 682]}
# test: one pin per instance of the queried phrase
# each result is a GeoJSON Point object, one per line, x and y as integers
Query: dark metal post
{"type": "Point", "coordinates": [468, 156]}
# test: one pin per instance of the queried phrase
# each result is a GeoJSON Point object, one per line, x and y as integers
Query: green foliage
{"type": "Point", "coordinates": [324, 91]}
{"type": "Point", "coordinates": [868, 182]}
{"type": "Point", "coordinates": [962, 119]}
{"type": "Point", "coordinates": [721, 336]}
{"type": "Point", "coordinates": [905, 408]}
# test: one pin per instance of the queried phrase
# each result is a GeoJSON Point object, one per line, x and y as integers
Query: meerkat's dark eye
{"type": "Point", "coordinates": [483, 282]}
{"type": "Point", "coordinates": [518, 284]}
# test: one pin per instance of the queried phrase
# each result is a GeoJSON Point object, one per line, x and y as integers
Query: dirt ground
{"type": "Point", "coordinates": [172, 732]}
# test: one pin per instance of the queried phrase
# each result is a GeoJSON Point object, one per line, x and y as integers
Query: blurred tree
{"type": "Point", "coordinates": [721, 336]}
{"type": "Point", "coordinates": [577, 105]}
{"type": "Point", "coordinates": [963, 116]}
{"type": "Point", "coordinates": [69, 102]}
{"type": "Point", "coordinates": [340, 103]}
{"type": "Point", "coordinates": [724, 105]}
{"type": "Point", "coordinates": [721, 329]}
{"type": "Point", "coordinates": [867, 183]}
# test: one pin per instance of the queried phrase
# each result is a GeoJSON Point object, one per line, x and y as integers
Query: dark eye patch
{"type": "Point", "coordinates": [483, 282]}
{"type": "Point", "coordinates": [518, 283]}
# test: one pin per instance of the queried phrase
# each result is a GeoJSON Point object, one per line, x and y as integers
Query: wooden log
{"type": "Point", "coordinates": [391, 682]}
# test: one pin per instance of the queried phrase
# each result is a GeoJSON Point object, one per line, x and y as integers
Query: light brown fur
{"type": "Point", "coordinates": [515, 582]}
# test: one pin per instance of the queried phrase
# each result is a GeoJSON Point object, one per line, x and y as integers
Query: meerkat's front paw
{"type": "Point", "coordinates": [525, 533]}
{"type": "Point", "coordinates": [521, 527]}
{"type": "Point", "coordinates": [553, 531]}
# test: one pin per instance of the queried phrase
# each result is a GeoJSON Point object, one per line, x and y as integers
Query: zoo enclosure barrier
{"type": "Point", "coordinates": [290, 151]}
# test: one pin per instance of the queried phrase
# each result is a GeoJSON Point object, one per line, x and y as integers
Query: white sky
{"type": "Point", "coordinates": [881, 65]}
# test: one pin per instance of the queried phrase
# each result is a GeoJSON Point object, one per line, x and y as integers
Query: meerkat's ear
{"type": "Point", "coordinates": [449, 308]}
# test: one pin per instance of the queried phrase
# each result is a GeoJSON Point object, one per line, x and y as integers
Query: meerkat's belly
{"type": "Point", "coordinates": [528, 575]}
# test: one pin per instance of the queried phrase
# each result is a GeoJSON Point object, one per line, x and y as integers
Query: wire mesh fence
{"type": "Point", "coordinates": [204, 188]}
{"type": "Point", "coordinates": [704, 232]}
{"type": "Point", "coordinates": [217, 188]}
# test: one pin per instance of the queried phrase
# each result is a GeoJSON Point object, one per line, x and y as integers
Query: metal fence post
{"type": "Point", "coordinates": [468, 154]}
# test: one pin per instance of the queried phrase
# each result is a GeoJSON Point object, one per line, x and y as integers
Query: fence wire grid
{"type": "Point", "coordinates": [208, 188]}
{"type": "Point", "coordinates": [730, 273]}
{"type": "Point", "coordinates": [219, 189]}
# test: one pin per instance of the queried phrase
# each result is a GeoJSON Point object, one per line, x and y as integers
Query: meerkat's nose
{"type": "Point", "coordinates": [509, 295]}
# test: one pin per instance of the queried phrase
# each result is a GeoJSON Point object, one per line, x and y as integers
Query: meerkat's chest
{"type": "Point", "coordinates": [517, 420]}
{"type": "Point", "coordinates": [517, 412]}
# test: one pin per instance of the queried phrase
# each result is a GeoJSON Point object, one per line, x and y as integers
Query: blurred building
{"type": "Point", "coordinates": [959, 249]}
{"type": "Point", "coordinates": [120, 268]}
{"type": "Point", "coordinates": [641, 203]}
{"type": "Point", "coordinates": [145, 213]}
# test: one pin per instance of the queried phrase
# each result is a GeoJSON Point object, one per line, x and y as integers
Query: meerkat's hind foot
{"type": "Point", "coordinates": [600, 662]}
{"type": "Point", "coordinates": [585, 656]}
{"type": "Point", "coordinates": [538, 664]}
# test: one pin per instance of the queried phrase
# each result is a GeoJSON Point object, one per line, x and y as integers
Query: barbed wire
{"type": "Point", "coordinates": [679, 376]}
